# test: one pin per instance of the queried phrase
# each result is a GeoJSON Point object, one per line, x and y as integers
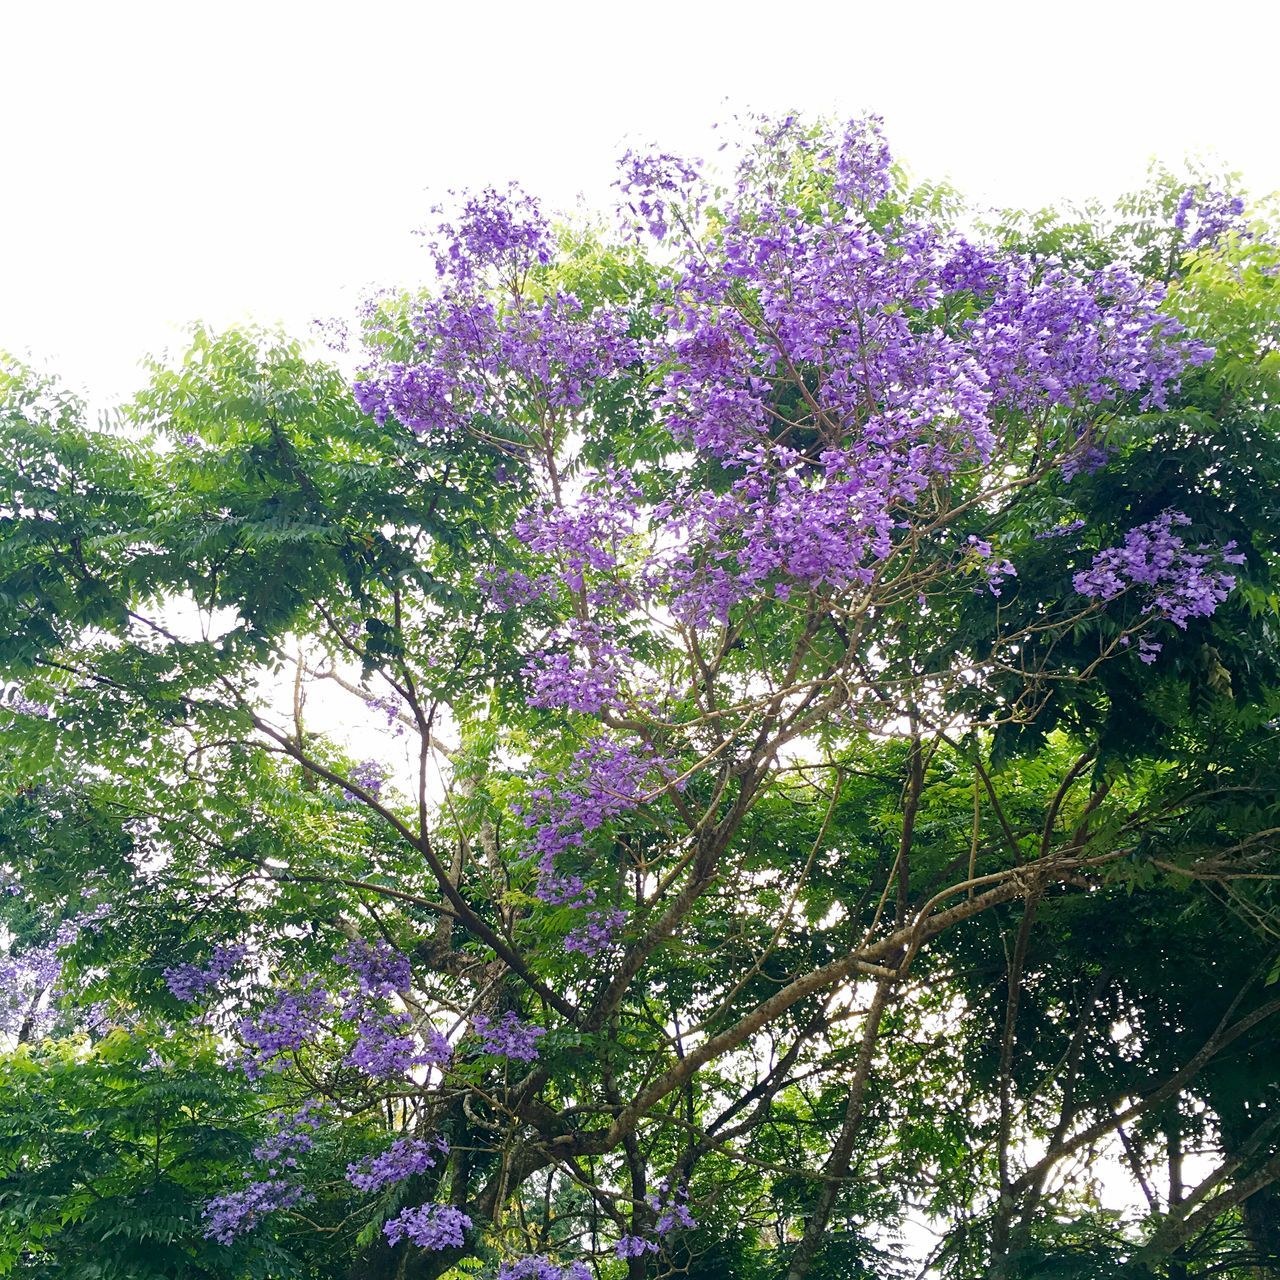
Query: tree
{"type": "Point", "coordinates": [766, 664]}
{"type": "Point", "coordinates": [112, 1151]}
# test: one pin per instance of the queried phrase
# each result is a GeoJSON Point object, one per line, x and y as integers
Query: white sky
{"type": "Point", "coordinates": [164, 162]}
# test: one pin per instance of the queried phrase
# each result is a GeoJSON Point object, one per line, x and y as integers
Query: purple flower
{"type": "Point", "coordinates": [1210, 213]}
{"type": "Point", "coordinates": [30, 975]}
{"type": "Point", "coordinates": [596, 935]}
{"type": "Point", "coordinates": [863, 163]}
{"type": "Point", "coordinates": [1170, 580]}
{"type": "Point", "coordinates": [581, 670]}
{"type": "Point", "coordinates": [24, 706]}
{"type": "Point", "coordinates": [676, 1215]}
{"type": "Point", "coordinates": [509, 1037]}
{"type": "Point", "coordinates": [1061, 530]}
{"type": "Point", "coordinates": [230, 1215]}
{"type": "Point", "coordinates": [542, 1268]}
{"type": "Point", "coordinates": [429, 1226]}
{"type": "Point", "coordinates": [293, 1137]}
{"type": "Point", "coordinates": [405, 1158]}
{"type": "Point", "coordinates": [608, 779]}
{"type": "Point", "coordinates": [673, 1211]}
{"type": "Point", "coordinates": [294, 1019]}
{"type": "Point", "coordinates": [190, 981]}
{"type": "Point", "coordinates": [386, 1041]}
{"type": "Point", "coordinates": [635, 1247]}
{"type": "Point", "coordinates": [655, 184]}
{"type": "Point", "coordinates": [993, 568]}
{"type": "Point", "coordinates": [380, 970]}
{"type": "Point", "coordinates": [369, 776]}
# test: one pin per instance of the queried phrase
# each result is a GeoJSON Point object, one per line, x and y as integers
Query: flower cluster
{"type": "Point", "coordinates": [429, 1226]}
{"type": "Point", "coordinates": [509, 1037]}
{"type": "Point", "coordinates": [657, 186]}
{"type": "Point", "coordinates": [189, 982]}
{"type": "Point", "coordinates": [294, 1019]}
{"type": "Point", "coordinates": [542, 1268]}
{"type": "Point", "coordinates": [608, 778]}
{"type": "Point", "coordinates": [30, 977]}
{"type": "Point", "coordinates": [581, 669]}
{"type": "Point", "coordinates": [1061, 530]}
{"type": "Point", "coordinates": [1052, 337]}
{"type": "Point", "coordinates": [635, 1247]}
{"type": "Point", "coordinates": [480, 356]}
{"type": "Point", "coordinates": [1210, 213]}
{"type": "Point", "coordinates": [994, 569]}
{"type": "Point", "coordinates": [369, 776]}
{"type": "Point", "coordinates": [1171, 580]}
{"type": "Point", "coordinates": [386, 1044]}
{"type": "Point", "coordinates": [405, 1158]}
{"type": "Point", "coordinates": [293, 1137]}
{"type": "Point", "coordinates": [25, 706]}
{"type": "Point", "coordinates": [673, 1214]}
{"type": "Point", "coordinates": [588, 534]}
{"type": "Point", "coordinates": [596, 934]}
{"type": "Point", "coordinates": [863, 163]}
{"type": "Point", "coordinates": [505, 230]}
{"type": "Point", "coordinates": [230, 1215]}
{"type": "Point", "coordinates": [236, 1212]}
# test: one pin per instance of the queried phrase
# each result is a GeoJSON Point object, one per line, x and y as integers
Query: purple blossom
{"type": "Point", "coordinates": [596, 935]}
{"type": "Point", "coordinates": [863, 163]}
{"type": "Point", "coordinates": [657, 184]}
{"type": "Point", "coordinates": [1085, 463]}
{"type": "Point", "coordinates": [1051, 337]}
{"type": "Point", "coordinates": [509, 1037]}
{"type": "Point", "coordinates": [1148, 649]}
{"type": "Point", "coordinates": [510, 588]}
{"type": "Point", "coordinates": [1061, 530]}
{"type": "Point", "coordinates": [236, 1212]}
{"type": "Point", "coordinates": [635, 1247]}
{"type": "Point", "coordinates": [542, 1268]}
{"type": "Point", "coordinates": [19, 702]}
{"type": "Point", "coordinates": [386, 1042]}
{"type": "Point", "coordinates": [580, 670]}
{"type": "Point", "coordinates": [674, 1212]}
{"type": "Point", "coordinates": [676, 1216]}
{"type": "Point", "coordinates": [405, 1158]}
{"type": "Point", "coordinates": [190, 981]}
{"type": "Point", "coordinates": [30, 976]}
{"type": "Point", "coordinates": [429, 1226]}
{"type": "Point", "coordinates": [589, 534]}
{"type": "Point", "coordinates": [1170, 580]}
{"type": "Point", "coordinates": [230, 1215]}
{"type": "Point", "coordinates": [993, 568]}
{"type": "Point", "coordinates": [379, 969]}
{"type": "Point", "coordinates": [293, 1137]}
{"type": "Point", "coordinates": [391, 709]}
{"type": "Point", "coordinates": [386, 1046]}
{"type": "Point", "coordinates": [608, 779]}
{"type": "Point", "coordinates": [506, 230]}
{"type": "Point", "coordinates": [294, 1019]}
{"type": "Point", "coordinates": [369, 776]}
{"type": "Point", "coordinates": [479, 355]}
{"type": "Point", "coordinates": [1210, 213]}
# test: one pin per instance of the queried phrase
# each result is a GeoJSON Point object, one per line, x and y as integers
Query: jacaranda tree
{"type": "Point", "coordinates": [724, 736]}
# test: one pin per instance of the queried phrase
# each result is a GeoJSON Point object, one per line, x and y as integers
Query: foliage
{"type": "Point", "coordinates": [719, 740]}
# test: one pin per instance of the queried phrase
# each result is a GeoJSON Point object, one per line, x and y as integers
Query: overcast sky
{"type": "Point", "coordinates": [172, 161]}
